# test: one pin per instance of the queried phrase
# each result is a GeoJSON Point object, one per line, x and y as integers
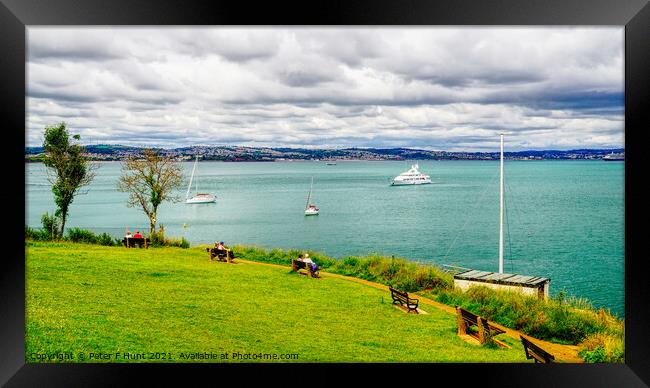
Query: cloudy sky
{"type": "Point", "coordinates": [439, 88]}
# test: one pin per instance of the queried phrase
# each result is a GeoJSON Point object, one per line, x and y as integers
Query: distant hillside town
{"type": "Point", "coordinates": [257, 154]}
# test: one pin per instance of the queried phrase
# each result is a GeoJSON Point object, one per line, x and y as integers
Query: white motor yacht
{"type": "Point", "coordinates": [411, 177]}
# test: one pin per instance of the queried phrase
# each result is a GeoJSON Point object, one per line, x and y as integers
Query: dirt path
{"type": "Point", "coordinates": [562, 353]}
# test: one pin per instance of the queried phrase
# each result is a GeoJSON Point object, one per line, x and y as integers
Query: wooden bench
{"type": "Point", "coordinates": [535, 352]}
{"type": "Point", "coordinates": [296, 266]}
{"type": "Point", "coordinates": [404, 300]}
{"type": "Point", "coordinates": [484, 330]}
{"type": "Point", "coordinates": [130, 242]}
{"type": "Point", "coordinates": [220, 254]}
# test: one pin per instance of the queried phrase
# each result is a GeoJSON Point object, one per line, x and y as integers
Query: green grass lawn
{"type": "Point", "coordinates": [84, 299]}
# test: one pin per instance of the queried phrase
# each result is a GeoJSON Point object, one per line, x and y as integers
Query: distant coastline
{"type": "Point", "coordinates": [264, 154]}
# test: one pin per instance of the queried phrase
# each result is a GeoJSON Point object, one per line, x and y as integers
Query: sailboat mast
{"type": "Point", "coordinates": [501, 213]}
{"type": "Point", "coordinates": [187, 195]}
{"type": "Point", "coordinates": [196, 181]}
{"type": "Point", "coordinates": [309, 195]}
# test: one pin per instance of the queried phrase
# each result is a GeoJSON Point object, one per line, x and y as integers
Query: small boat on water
{"type": "Point", "coordinates": [613, 157]}
{"type": "Point", "coordinates": [411, 177]}
{"type": "Point", "coordinates": [311, 209]}
{"type": "Point", "coordinates": [199, 197]}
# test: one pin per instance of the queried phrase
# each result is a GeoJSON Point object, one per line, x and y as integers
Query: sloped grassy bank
{"type": "Point", "coordinates": [94, 303]}
{"type": "Point", "coordinates": [562, 319]}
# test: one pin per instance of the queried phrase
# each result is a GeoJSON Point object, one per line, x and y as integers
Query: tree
{"type": "Point", "coordinates": [68, 168]}
{"type": "Point", "coordinates": [150, 180]}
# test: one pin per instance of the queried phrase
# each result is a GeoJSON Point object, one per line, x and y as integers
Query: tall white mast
{"type": "Point", "coordinates": [501, 213]}
{"type": "Point", "coordinates": [196, 181]}
{"type": "Point", "coordinates": [187, 195]}
{"type": "Point", "coordinates": [309, 195]}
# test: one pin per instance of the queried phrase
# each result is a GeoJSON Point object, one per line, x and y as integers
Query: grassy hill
{"type": "Point", "coordinates": [83, 299]}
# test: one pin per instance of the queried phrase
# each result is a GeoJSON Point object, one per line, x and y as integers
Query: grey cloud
{"type": "Point", "coordinates": [303, 77]}
{"type": "Point", "coordinates": [443, 87]}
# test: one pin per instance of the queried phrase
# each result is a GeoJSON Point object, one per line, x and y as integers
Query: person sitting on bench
{"type": "Point", "coordinates": [137, 234]}
{"type": "Point", "coordinates": [312, 265]}
{"type": "Point", "coordinates": [223, 250]}
{"type": "Point", "coordinates": [128, 234]}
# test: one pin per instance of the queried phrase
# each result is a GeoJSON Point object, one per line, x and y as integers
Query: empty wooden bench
{"type": "Point", "coordinates": [484, 330]}
{"type": "Point", "coordinates": [131, 242]}
{"type": "Point", "coordinates": [403, 299]}
{"type": "Point", "coordinates": [535, 352]}
{"type": "Point", "coordinates": [220, 254]}
{"type": "Point", "coordinates": [296, 266]}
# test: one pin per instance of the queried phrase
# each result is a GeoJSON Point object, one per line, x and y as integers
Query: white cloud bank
{"type": "Point", "coordinates": [437, 88]}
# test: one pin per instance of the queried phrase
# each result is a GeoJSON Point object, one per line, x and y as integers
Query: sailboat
{"type": "Point", "coordinates": [311, 209]}
{"type": "Point", "coordinates": [199, 197]}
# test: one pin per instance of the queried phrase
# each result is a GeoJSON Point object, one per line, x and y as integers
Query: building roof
{"type": "Point", "coordinates": [502, 278]}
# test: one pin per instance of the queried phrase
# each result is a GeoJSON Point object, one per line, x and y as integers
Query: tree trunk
{"type": "Point", "coordinates": [152, 223]}
{"type": "Point", "coordinates": [64, 213]}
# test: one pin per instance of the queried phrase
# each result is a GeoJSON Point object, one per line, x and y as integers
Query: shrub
{"type": "Point", "coordinates": [51, 226]}
{"type": "Point", "coordinates": [594, 356]}
{"type": "Point", "coordinates": [397, 272]}
{"type": "Point", "coordinates": [36, 234]}
{"type": "Point", "coordinates": [607, 345]}
{"type": "Point", "coordinates": [158, 239]}
{"type": "Point", "coordinates": [81, 235]}
{"type": "Point", "coordinates": [105, 239]}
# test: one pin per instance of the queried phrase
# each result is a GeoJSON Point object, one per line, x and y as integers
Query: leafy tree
{"type": "Point", "coordinates": [150, 179]}
{"type": "Point", "coordinates": [68, 168]}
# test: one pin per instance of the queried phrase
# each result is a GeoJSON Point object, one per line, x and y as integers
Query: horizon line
{"type": "Point", "coordinates": [311, 148]}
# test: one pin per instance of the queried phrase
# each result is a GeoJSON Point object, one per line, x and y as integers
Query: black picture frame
{"type": "Point", "coordinates": [16, 15]}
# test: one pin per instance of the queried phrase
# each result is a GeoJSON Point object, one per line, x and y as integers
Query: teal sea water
{"type": "Point", "coordinates": [564, 219]}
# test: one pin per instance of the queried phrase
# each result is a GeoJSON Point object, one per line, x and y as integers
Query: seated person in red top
{"type": "Point", "coordinates": [137, 234]}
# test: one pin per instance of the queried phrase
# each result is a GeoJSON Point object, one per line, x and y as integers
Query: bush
{"type": "Point", "coordinates": [86, 236]}
{"type": "Point", "coordinates": [51, 226]}
{"type": "Point", "coordinates": [81, 235]}
{"type": "Point", "coordinates": [594, 356]}
{"type": "Point", "coordinates": [607, 345]}
{"type": "Point", "coordinates": [158, 239]}
{"type": "Point", "coordinates": [106, 239]}
{"type": "Point", "coordinates": [397, 272]}
{"type": "Point", "coordinates": [36, 234]}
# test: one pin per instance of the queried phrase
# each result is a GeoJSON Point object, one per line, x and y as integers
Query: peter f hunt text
{"type": "Point", "coordinates": [156, 356]}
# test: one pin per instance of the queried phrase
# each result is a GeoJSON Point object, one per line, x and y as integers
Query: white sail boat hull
{"type": "Point", "coordinates": [202, 198]}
